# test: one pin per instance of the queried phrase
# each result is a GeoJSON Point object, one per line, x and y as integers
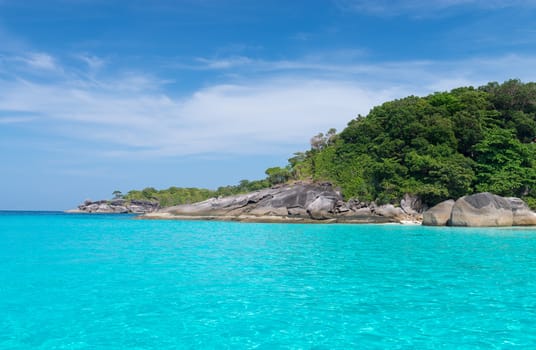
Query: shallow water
{"type": "Point", "coordinates": [111, 282]}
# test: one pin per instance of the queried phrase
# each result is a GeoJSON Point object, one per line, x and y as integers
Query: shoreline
{"type": "Point", "coordinates": [276, 219]}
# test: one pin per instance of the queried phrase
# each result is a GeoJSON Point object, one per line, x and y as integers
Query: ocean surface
{"type": "Point", "coordinates": [114, 282]}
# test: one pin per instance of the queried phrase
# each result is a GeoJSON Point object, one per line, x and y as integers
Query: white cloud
{"type": "Point", "coordinates": [247, 118]}
{"type": "Point", "coordinates": [93, 62]}
{"type": "Point", "coordinates": [224, 63]}
{"type": "Point", "coordinates": [133, 114]}
{"type": "Point", "coordinates": [40, 61]}
{"type": "Point", "coordinates": [338, 59]}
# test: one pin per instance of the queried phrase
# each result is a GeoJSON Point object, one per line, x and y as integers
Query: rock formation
{"type": "Point", "coordinates": [522, 215]}
{"type": "Point", "coordinates": [481, 209]}
{"type": "Point", "coordinates": [438, 215]}
{"type": "Point", "coordinates": [297, 202]}
{"type": "Point", "coordinates": [116, 206]}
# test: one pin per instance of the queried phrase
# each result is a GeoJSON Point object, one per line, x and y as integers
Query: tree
{"type": "Point", "coordinates": [505, 164]}
{"type": "Point", "coordinates": [278, 175]}
{"type": "Point", "coordinates": [317, 142]}
{"type": "Point", "coordinates": [117, 194]}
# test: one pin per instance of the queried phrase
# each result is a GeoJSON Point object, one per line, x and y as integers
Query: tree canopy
{"type": "Point", "coordinates": [440, 146]}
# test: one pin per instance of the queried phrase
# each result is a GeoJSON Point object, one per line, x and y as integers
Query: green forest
{"type": "Point", "coordinates": [444, 145]}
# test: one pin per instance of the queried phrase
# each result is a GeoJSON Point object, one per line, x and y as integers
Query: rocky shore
{"type": "Point", "coordinates": [116, 206]}
{"type": "Point", "coordinates": [304, 202]}
{"type": "Point", "coordinates": [297, 202]}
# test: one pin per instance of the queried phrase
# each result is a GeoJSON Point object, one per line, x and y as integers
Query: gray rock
{"type": "Point", "coordinates": [136, 209]}
{"type": "Point", "coordinates": [285, 200]}
{"type": "Point", "coordinates": [438, 215]}
{"type": "Point", "coordinates": [91, 208]}
{"type": "Point", "coordinates": [297, 211]}
{"type": "Point", "coordinates": [482, 209]}
{"type": "Point", "coordinates": [119, 209]}
{"type": "Point", "coordinates": [341, 207]}
{"type": "Point", "coordinates": [390, 211]}
{"type": "Point", "coordinates": [523, 216]}
{"type": "Point", "coordinates": [321, 208]}
{"type": "Point", "coordinates": [267, 211]}
{"type": "Point", "coordinates": [365, 211]}
{"type": "Point", "coordinates": [117, 202]}
{"type": "Point", "coordinates": [104, 208]}
{"type": "Point", "coordinates": [117, 206]}
{"type": "Point", "coordinates": [412, 204]}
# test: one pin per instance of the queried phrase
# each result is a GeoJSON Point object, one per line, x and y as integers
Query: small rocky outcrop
{"type": "Point", "coordinates": [297, 202]}
{"type": "Point", "coordinates": [438, 215]}
{"type": "Point", "coordinates": [481, 209]}
{"type": "Point", "coordinates": [116, 206]}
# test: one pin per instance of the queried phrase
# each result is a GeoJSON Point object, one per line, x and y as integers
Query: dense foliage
{"type": "Point", "coordinates": [444, 145]}
{"type": "Point", "coordinates": [441, 146]}
{"type": "Point", "coordinates": [180, 195]}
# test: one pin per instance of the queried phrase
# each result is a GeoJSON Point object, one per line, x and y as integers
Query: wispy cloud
{"type": "Point", "coordinates": [224, 63]}
{"type": "Point", "coordinates": [40, 60]}
{"type": "Point", "coordinates": [137, 115]}
{"type": "Point", "coordinates": [93, 62]}
{"type": "Point", "coordinates": [15, 120]}
{"type": "Point", "coordinates": [418, 8]}
{"type": "Point", "coordinates": [333, 60]}
{"type": "Point", "coordinates": [429, 73]}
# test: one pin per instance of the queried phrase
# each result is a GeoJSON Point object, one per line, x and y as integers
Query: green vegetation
{"type": "Point", "coordinates": [444, 145]}
{"type": "Point", "coordinates": [441, 146]}
{"type": "Point", "coordinates": [179, 195]}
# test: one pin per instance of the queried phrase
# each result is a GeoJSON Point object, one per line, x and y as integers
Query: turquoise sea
{"type": "Point", "coordinates": [113, 282]}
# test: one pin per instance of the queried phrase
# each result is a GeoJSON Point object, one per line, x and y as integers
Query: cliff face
{"type": "Point", "coordinates": [116, 206]}
{"type": "Point", "coordinates": [298, 202]}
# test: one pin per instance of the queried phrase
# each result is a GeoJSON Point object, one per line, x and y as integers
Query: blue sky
{"type": "Point", "coordinates": [99, 95]}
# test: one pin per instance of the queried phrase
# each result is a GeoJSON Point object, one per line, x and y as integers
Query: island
{"type": "Point", "coordinates": [466, 150]}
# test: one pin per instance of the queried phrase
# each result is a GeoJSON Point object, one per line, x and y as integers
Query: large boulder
{"type": "Point", "coordinates": [439, 215]}
{"type": "Point", "coordinates": [523, 216]}
{"type": "Point", "coordinates": [391, 212]}
{"type": "Point", "coordinates": [321, 208]}
{"type": "Point", "coordinates": [482, 209]}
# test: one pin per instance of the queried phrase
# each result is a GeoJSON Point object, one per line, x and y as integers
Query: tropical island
{"type": "Point", "coordinates": [404, 157]}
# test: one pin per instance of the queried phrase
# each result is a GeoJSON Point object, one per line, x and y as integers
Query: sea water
{"type": "Point", "coordinates": [115, 282]}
